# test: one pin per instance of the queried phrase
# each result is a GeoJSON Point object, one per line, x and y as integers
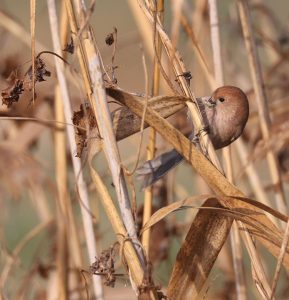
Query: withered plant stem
{"type": "Point", "coordinates": [261, 99]}
{"type": "Point", "coordinates": [179, 68]}
{"type": "Point", "coordinates": [236, 247]}
{"type": "Point", "coordinates": [77, 165]}
{"type": "Point", "coordinates": [32, 31]}
{"type": "Point", "coordinates": [92, 76]}
{"type": "Point", "coordinates": [148, 194]}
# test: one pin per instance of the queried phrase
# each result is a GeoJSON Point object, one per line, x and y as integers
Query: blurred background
{"type": "Point", "coordinates": [27, 162]}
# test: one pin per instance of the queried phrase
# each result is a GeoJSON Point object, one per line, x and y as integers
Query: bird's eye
{"type": "Point", "coordinates": [221, 99]}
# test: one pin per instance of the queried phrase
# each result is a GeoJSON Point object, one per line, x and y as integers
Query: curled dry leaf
{"type": "Point", "coordinates": [12, 93]}
{"type": "Point", "coordinates": [125, 123]}
{"type": "Point", "coordinates": [40, 70]}
{"type": "Point", "coordinates": [85, 121]}
{"type": "Point", "coordinates": [18, 85]}
{"type": "Point", "coordinates": [69, 47]}
{"type": "Point", "coordinates": [104, 266]}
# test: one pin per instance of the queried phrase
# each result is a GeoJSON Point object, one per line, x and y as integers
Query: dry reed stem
{"type": "Point", "coordinates": [145, 31]}
{"type": "Point", "coordinates": [142, 125]}
{"type": "Point", "coordinates": [198, 52]}
{"type": "Point", "coordinates": [32, 31]}
{"type": "Point", "coordinates": [258, 272]}
{"type": "Point", "coordinates": [104, 122]}
{"type": "Point", "coordinates": [61, 202]}
{"type": "Point", "coordinates": [215, 39]}
{"type": "Point", "coordinates": [261, 99]}
{"type": "Point", "coordinates": [90, 67]}
{"type": "Point", "coordinates": [280, 260]}
{"type": "Point", "coordinates": [71, 229]}
{"type": "Point", "coordinates": [121, 234]}
{"type": "Point", "coordinates": [77, 166]}
{"type": "Point", "coordinates": [254, 179]}
{"type": "Point", "coordinates": [176, 7]}
{"type": "Point", "coordinates": [219, 77]}
{"type": "Point", "coordinates": [92, 77]}
{"type": "Point", "coordinates": [238, 265]}
{"type": "Point", "coordinates": [148, 194]}
{"type": "Point", "coordinates": [179, 68]}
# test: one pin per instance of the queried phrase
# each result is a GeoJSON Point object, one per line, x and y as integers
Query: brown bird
{"type": "Point", "coordinates": [225, 115]}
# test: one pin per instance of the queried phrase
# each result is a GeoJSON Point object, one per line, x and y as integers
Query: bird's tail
{"type": "Point", "coordinates": [152, 170]}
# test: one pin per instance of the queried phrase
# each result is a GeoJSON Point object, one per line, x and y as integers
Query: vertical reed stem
{"type": "Point", "coordinates": [261, 99]}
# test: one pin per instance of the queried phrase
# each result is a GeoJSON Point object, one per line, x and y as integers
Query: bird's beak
{"type": "Point", "coordinates": [211, 102]}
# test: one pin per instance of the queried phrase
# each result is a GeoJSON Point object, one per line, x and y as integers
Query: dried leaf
{"type": "Point", "coordinates": [40, 70]}
{"type": "Point", "coordinates": [198, 253]}
{"type": "Point", "coordinates": [69, 47]}
{"type": "Point", "coordinates": [12, 93]}
{"type": "Point", "coordinates": [84, 119]}
{"type": "Point", "coordinates": [125, 123]}
{"type": "Point", "coordinates": [238, 212]}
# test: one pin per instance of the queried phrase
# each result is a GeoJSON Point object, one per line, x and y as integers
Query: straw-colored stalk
{"type": "Point", "coordinates": [127, 249]}
{"type": "Point", "coordinates": [148, 195]}
{"type": "Point", "coordinates": [258, 271]}
{"type": "Point", "coordinates": [179, 68]}
{"type": "Point", "coordinates": [92, 76]}
{"type": "Point", "coordinates": [62, 217]}
{"type": "Point", "coordinates": [198, 52]}
{"type": "Point", "coordinates": [261, 98]}
{"type": "Point", "coordinates": [77, 167]}
{"type": "Point", "coordinates": [32, 31]}
{"type": "Point", "coordinates": [280, 261]}
{"type": "Point", "coordinates": [62, 261]}
{"type": "Point", "coordinates": [65, 219]}
{"type": "Point", "coordinates": [219, 77]}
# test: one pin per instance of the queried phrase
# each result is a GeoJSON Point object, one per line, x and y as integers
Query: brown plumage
{"type": "Point", "coordinates": [225, 114]}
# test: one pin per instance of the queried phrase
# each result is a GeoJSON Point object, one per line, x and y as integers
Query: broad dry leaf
{"type": "Point", "coordinates": [125, 123]}
{"type": "Point", "coordinates": [199, 251]}
{"type": "Point", "coordinates": [238, 213]}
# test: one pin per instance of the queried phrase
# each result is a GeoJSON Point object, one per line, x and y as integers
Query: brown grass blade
{"type": "Point", "coordinates": [198, 253]}
{"type": "Point", "coordinates": [125, 123]}
{"type": "Point", "coordinates": [189, 203]}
